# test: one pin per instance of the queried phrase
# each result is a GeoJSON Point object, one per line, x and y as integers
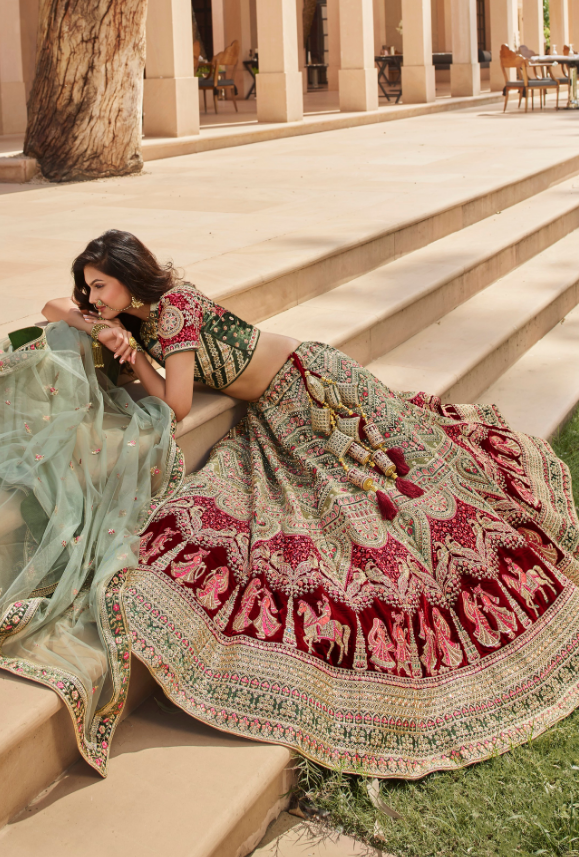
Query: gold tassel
{"type": "Point", "coordinates": [97, 355]}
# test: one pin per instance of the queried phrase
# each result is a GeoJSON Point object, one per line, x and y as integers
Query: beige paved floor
{"type": "Point", "coordinates": [222, 214]}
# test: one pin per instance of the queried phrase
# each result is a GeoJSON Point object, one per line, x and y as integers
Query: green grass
{"type": "Point", "coordinates": [523, 803]}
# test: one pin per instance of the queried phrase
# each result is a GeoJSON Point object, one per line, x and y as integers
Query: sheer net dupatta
{"type": "Point", "coordinates": [82, 468]}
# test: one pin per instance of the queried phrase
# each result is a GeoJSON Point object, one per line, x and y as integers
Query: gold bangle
{"type": "Point", "coordinates": [97, 352]}
{"type": "Point", "coordinates": [134, 344]}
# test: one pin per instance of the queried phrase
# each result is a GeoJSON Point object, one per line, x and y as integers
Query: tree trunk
{"type": "Point", "coordinates": [85, 108]}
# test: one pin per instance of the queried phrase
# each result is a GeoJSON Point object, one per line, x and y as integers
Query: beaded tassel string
{"type": "Point", "coordinates": [344, 425]}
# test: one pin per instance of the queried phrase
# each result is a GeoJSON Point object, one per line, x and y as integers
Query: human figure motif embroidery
{"type": "Point", "coordinates": [482, 630]}
{"type": "Point", "coordinates": [381, 646]}
{"type": "Point", "coordinates": [242, 620]}
{"type": "Point", "coordinates": [214, 586]}
{"type": "Point", "coordinates": [266, 625]}
{"type": "Point", "coordinates": [505, 619]}
{"type": "Point", "coordinates": [193, 567]}
{"type": "Point", "coordinates": [450, 652]}
{"type": "Point", "coordinates": [157, 546]}
{"type": "Point", "coordinates": [429, 656]}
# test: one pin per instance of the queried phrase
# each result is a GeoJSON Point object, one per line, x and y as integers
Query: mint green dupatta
{"type": "Point", "coordinates": [82, 469]}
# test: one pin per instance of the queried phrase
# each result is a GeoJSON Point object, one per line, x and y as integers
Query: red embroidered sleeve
{"type": "Point", "coordinates": [180, 320]}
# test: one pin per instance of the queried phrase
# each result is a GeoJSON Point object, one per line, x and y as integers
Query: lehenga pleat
{"type": "Point", "coordinates": [274, 601]}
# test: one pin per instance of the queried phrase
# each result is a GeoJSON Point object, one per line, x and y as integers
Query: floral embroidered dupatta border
{"type": "Point", "coordinates": [82, 469]}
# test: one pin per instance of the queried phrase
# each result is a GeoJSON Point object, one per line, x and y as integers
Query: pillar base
{"type": "Point", "coordinates": [464, 79]}
{"type": "Point", "coordinates": [279, 97]}
{"type": "Point", "coordinates": [418, 84]}
{"type": "Point", "coordinates": [13, 116]}
{"type": "Point", "coordinates": [358, 89]}
{"type": "Point", "coordinates": [171, 106]}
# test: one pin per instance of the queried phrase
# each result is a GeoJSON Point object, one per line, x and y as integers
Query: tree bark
{"type": "Point", "coordinates": [85, 108]}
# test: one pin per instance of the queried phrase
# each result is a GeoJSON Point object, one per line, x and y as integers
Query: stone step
{"type": "Point", "coordinates": [264, 279]}
{"type": "Point", "coordinates": [174, 785]}
{"type": "Point", "coordinates": [380, 310]}
{"type": "Point", "coordinates": [17, 168]}
{"type": "Point", "coordinates": [427, 281]}
{"type": "Point", "coordinates": [36, 738]}
{"type": "Point", "coordinates": [541, 390]}
{"type": "Point", "coordinates": [469, 349]}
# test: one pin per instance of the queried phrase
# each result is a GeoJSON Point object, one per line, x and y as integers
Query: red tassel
{"type": "Point", "coordinates": [396, 456]}
{"type": "Point", "coordinates": [388, 509]}
{"type": "Point", "coordinates": [409, 489]}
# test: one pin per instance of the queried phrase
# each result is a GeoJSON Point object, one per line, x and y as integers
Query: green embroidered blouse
{"type": "Point", "coordinates": [187, 320]}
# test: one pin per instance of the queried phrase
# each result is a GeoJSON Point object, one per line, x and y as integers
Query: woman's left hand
{"type": "Point", "coordinates": [94, 318]}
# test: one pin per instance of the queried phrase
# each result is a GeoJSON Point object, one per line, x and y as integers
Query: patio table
{"type": "Point", "coordinates": [250, 65]}
{"type": "Point", "coordinates": [383, 62]}
{"type": "Point", "coordinates": [573, 62]}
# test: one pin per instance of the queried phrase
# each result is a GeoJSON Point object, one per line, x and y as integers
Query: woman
{"type": "Point", "coordinates": [382, 582]}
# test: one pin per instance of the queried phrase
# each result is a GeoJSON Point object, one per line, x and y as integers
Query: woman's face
{"type": "Point", "coordinates": [108, 290]}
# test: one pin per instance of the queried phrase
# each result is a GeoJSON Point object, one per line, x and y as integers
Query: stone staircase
{"type": "Point", "coordinates": [467, 301]}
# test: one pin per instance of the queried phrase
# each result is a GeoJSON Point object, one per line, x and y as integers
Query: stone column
{"type": "Point", "coordinates": [12, 89]}
{"type": "Point", "coordinates": [358, 75]}
{"type": "Point", "coordinates": [171, 101]}
{"type": "Point", "coordinates": [503, 16]}
{"type": "Point", "coordinates": [334, 61]}
{"type": "Point", "coordinates": [218, 26]}
{"type": "Point", "coordinates": [279, 82]}
{"type": "Point", "coordinates": [418, 85]}
{"type": "Point", "coordinates": [465, 68]}
{"type": "Point", "coordinates": [559, 17]}
{"type": "Point", "coordinates": [533, 33]}
{"type": "Point", "coordinates": [301, 45]}
{"type": "Point", "coordinates": [574, 23]}
{"type": "Point", "coordinates": [379, 25]}
{"type": "Point", "coordinates": [237, 17]}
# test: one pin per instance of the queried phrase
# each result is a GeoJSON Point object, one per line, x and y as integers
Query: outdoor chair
{"type": "Point", "coordinates": [225, 60]}
{"type": "Point", "coordinates": [524, 85]}
{"type": "Point", "coordinates": [196, 55]}
{"type": "Point", "coordinates": [538, 71]}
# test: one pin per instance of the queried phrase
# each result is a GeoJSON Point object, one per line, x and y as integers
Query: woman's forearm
{"type": "Point", "coordinates": [153, 383]}
{"type": "Point", "coordinates": [63, 309]}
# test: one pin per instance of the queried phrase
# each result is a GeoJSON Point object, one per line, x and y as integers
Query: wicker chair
{"type": "Point", "coordinates": [227, 59]}
{"type": "Point", "coordinates": [524, 85]}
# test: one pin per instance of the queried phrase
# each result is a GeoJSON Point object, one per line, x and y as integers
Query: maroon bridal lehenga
{"type": "Point", "coordinates": [381, 582]}
{"type": "Point", "coordinates": [278, 600]}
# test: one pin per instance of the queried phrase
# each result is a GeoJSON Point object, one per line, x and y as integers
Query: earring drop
{"type": "Point", "coordinates": [136, 303]}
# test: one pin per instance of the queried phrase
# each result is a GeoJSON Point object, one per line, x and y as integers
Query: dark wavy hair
{"type": "Point", "coordinates": [121, 255]}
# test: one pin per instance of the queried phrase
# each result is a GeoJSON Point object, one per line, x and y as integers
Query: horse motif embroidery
{"type": "Point", "coordinates": [527, 583]}
{"type": "Point", "coordinates": [318, 629]}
